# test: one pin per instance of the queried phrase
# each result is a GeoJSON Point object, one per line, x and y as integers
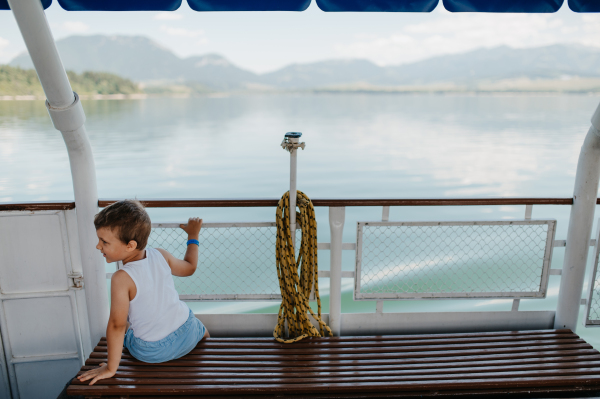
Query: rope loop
{"type": "Point", "coordinates": [296, 288]}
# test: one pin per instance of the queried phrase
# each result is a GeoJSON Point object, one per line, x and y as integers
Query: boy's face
{"type": "Point", "coordinates": [112, 248]}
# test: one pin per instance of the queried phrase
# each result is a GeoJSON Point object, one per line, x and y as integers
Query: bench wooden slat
{"type": "Point", "coordinates": [363, 356]}
{"type": "Point", "coordinates": [587, 371]}
{"type": "Point", "coordinates": [399, 337]}
{"type": "Point", "coordinates": [328, 362]}
{"type": "Point", "coordinates": [291, 350]}
{"type": "Point", "coordinates": [356, 373]}
{"type": "Point", "coordinates": [383, 366]}
{"type": "Point", "coordinates": [485, 383]}
{"type": "Point", "coordinates": [544, 392]}
{"type": "Point", "coordinates": [326, 344]}
{"type": "Point", "coordinates": [566, 361]}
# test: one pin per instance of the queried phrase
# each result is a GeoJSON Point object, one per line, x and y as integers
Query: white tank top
{"type": "Point", "coordinates": [156, 310]}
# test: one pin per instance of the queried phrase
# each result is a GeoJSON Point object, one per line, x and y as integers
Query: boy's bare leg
{"type": "Point", "coordinates": [206, 334]}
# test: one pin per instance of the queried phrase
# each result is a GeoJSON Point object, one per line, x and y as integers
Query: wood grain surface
{"type": "Point", "coordinates": [469, 364]}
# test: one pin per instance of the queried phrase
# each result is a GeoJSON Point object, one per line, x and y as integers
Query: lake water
{"type": "Point", "coordinates": [356, 146]}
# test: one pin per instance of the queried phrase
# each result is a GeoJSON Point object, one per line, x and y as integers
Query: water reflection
{"type": "Point", "coordinates": [361, 145]}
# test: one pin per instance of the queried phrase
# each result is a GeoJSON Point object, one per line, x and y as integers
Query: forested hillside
{"type": "Point", "coordinates": [15, 81]}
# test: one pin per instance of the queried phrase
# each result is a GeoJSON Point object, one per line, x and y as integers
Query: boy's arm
{"type": "Point", "coordinates": [187, 266]}
{"type": "Point", "coordinates": [116, 328]}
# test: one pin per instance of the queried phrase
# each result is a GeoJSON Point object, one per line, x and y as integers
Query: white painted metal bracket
{"type": "Point", "coordinates": [67, 119]}
{"type": "Point", "coordinates": [77, 280]}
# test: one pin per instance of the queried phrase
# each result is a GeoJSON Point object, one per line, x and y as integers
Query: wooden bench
{"type": "Point", "coordinates": [517, 362]}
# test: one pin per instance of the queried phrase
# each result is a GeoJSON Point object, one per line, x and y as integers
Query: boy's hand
{"type": "Point", "coordinates": [100, 373]}
{"type": "Point", "coordinates": [192, 227]}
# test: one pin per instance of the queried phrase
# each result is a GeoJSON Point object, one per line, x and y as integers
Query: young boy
{"type": "Point", "coordinates": [146, 315]}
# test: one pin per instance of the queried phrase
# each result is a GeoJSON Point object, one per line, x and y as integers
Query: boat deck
{"type": "Point", "coordinates": [517, 362]}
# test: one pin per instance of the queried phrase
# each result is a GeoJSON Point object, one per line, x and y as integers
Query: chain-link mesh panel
{"type": "Point", "coordinates": [593, 301]}
{"type": "Point", "coordinates": [235, 261]}
{"type": "Point", "coordinates": [593, 315]}
{"type": "Point", "coordinates": [231, 260]}
{"type": "Point", "coordinates": [450, 259]}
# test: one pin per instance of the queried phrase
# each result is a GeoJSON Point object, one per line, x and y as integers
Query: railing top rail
{"type": "Point", "coordinates": [37, 206]}
{"type": "Point", "coordinates": [272, 202]}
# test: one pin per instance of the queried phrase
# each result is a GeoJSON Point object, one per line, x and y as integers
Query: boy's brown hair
{"type": "Point", "coordinates": [130, 220]}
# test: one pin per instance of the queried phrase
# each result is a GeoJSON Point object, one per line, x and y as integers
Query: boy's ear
{"type": "Point", "coordinates": [131, 245]}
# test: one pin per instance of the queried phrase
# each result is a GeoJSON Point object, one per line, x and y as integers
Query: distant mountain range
{"type": "Point", "coordinates": [143, 60]}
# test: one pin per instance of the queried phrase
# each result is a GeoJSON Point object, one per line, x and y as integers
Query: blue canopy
{"type": "Point", "coordinates": [245, 5]}
{"type": "Point", "coordinates": [584, 5]}
{"type": "Point", "coordinates": [492, 6]}
{"type": "Point", "coordinates": [120, 5]}
{"type": "Point", "coordinates": [378, 5]}
{"type": "Point", "coordinates": [4, 4]}
{"type": "Point", "coordinates": [503, 6]}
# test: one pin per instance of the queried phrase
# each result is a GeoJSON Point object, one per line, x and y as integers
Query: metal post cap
{"type": "Point", "coordinates": [293, 135]}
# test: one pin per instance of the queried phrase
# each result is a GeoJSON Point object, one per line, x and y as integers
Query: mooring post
{"type": "Point", "coordinates": [580, 228]}
{"type": "Point", "coordinates": [291, 143]}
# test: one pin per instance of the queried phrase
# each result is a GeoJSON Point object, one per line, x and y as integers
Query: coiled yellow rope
{"type": "Point", "coordinates": [295, 289]}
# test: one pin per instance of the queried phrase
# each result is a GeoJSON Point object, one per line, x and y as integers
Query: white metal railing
{"type": "Point", "coordinates": [471, 259]}
{"type": "Point", "coordinates": [243, 258]}
{"type": "Point", "coordinates": [236, 261]}
{"type": "Point", "coordinates": [394, 260]}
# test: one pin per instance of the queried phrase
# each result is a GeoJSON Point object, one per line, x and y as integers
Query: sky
{"type": "Point", "coordinates": [266, 41]}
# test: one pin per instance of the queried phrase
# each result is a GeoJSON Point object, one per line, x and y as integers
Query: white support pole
{"type": "Point", "coordinates": [40, 44]}
{"type": "Point", "coordinates": [67, 116]}
{"type": "Point", "coordinates": [580, 228]}
{"type": "Point", "coordinates": [293, 170]}
{"type": "Point", "coordinates": [337, 217]}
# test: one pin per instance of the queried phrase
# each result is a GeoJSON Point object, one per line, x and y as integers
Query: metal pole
{"type": "Point", "coordinates": [580, 228]}
{"type": "Point", "coordinates": [67, 116]}
{"type": "Point", "coordinates": [293, 168]}
{"type": "Point", "coordinates": [337, 217]}
{"type": "Point", "coordinates": [291, 143]}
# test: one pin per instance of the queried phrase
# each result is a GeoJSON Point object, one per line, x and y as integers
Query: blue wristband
{"type": "Point", "coordinates": [193, 242]}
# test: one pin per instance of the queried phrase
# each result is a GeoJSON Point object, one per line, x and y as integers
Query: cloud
{"type": "Point", "coordinates": [459, 33]}
{"type": "Point", "coordinates": [168, 16]}
{"type": "Point", "coordinates": [591, 30]}
{"type": "Point", "coordinates": [4, 56]}
{"type": "Point", "coordinates": [182, 32]}
{"type": "Point", "coordinates": [74, 26]}
{"type": "Point", "coordinates": [3, 44]}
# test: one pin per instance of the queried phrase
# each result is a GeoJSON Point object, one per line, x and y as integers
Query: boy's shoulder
{"type": "Point", "coordinates": [166, 254]}
{"type": "Point", "coordinates": [121, 277]}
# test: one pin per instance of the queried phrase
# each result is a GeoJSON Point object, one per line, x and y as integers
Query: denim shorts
{"type": "Point", "coordinates": [175, 345]}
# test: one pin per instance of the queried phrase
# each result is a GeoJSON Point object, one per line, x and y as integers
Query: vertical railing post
{"type": "Point", "coordinates": [580, 228]}
{"type": "Point", "coordinates": [68, 117]}
{"type": "Point", "coordinates": [291, 143]}
{"type": "Point", "coordinates": [337, 217]}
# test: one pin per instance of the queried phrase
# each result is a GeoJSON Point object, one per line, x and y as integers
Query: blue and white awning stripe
{"type": "Point", "coordinates": [489, 6]}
